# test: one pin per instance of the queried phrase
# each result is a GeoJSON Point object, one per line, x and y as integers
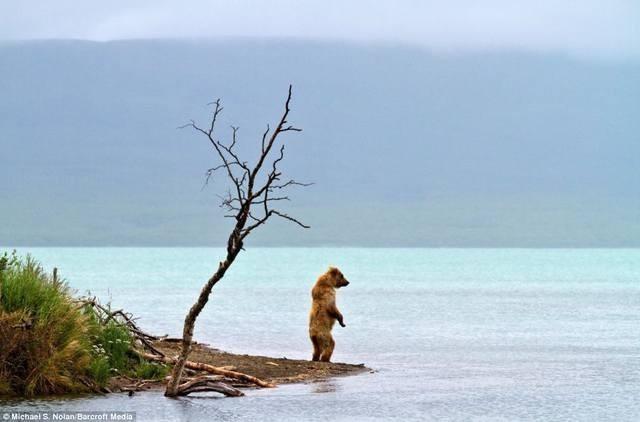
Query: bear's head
{"type": "Point", "coordinates": [337, 278]}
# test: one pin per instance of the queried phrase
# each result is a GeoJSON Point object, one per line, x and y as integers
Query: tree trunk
{"type": "Point", "coordinates": [248, 194]}
{"type": "Point", "coordinates": [190, 320]}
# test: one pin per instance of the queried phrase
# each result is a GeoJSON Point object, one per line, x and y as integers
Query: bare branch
{"type": "Point", "coordinates": [267, 148]}
{"type": "Point", "coordinates": [291, 183]}
{"type": "Point", "coordinates": [267, 200]}
{"type": "Point", "coordinates": [264, 137]}
{"type": "Point", "coordinates": [216, 112]}
{"type": "Point", "coordinates": [288, 217]}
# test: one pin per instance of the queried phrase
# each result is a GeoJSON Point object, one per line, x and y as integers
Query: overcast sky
{"type": "Point", "coordinates": [591, 28]}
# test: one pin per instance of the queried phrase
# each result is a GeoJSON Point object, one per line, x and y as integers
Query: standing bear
{"type": "Point", "coordinates": [324, 313]}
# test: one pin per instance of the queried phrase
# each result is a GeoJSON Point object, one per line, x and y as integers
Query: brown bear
{"type": "Point", "coordinates": [324, 313]}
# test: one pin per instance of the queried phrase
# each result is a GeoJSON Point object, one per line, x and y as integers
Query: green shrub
{"type": "Point", "coordinates": [151, 371]}
{"type": "Point", "coordinates": [115, 341]}
{"type": "Point", "coordinates": [100, 370]}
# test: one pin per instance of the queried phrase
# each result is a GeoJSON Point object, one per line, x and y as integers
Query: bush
{"type": "Point", "coordinates": [100, 370]}
{"type": "Point", "coordinates": [51, 344]}
{"type": "Point", "coordinates": [44, 344]}
{"type": "Point", "coordinates": [151, 371]}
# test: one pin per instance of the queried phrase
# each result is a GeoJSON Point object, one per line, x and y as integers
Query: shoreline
{"type": "Point", "coordinates": [277, 371]}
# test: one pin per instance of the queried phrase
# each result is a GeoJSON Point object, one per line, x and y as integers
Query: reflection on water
{"type": "Point", "coordinates": [325, 387]}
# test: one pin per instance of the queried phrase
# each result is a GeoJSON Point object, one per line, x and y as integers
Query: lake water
{"type": "Point", "coordinates": [453, 334]}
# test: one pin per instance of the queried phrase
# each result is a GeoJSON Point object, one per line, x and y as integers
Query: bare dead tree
{"type": "Point", "coordinates": [255, 189]}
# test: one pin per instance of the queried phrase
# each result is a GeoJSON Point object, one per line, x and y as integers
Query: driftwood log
{"type": "Point", "coordinates": [198, 366]}
{"type": "Point", "coordinates": [204, 383]}
{"type": "Point", "coordinates": [207, 383]}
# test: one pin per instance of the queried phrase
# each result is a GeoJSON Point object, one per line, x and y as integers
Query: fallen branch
{"type": "Point", "coordinates": [208, 368]}
{"type": "Point", "coordinates": [173, 340]}
{"type": "Point", "coordinates": [207, 383]}
{"type": "Point", "coordinates": [105, 315]}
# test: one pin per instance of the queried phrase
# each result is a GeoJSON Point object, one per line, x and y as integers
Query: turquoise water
{"type": "Point", "coordinates": [458, 334]}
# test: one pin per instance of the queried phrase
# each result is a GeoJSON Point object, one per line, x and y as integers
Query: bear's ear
{"type": "Point", "coordinates": [333, 271]}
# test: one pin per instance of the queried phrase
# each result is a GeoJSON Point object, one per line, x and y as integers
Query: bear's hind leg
{"type": "Point", "coordinates": [328, 351]}
{"type": "Point", "coordinates": [316, 348]}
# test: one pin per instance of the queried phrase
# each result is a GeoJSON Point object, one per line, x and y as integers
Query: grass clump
{"type": "Point", "coordinates": [50, 343]}
{"type": "Point", "coordinates": [44, 348]}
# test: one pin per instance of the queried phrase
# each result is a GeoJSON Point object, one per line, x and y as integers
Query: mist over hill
{"type": "Point", "coordinates": [406, 147]}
